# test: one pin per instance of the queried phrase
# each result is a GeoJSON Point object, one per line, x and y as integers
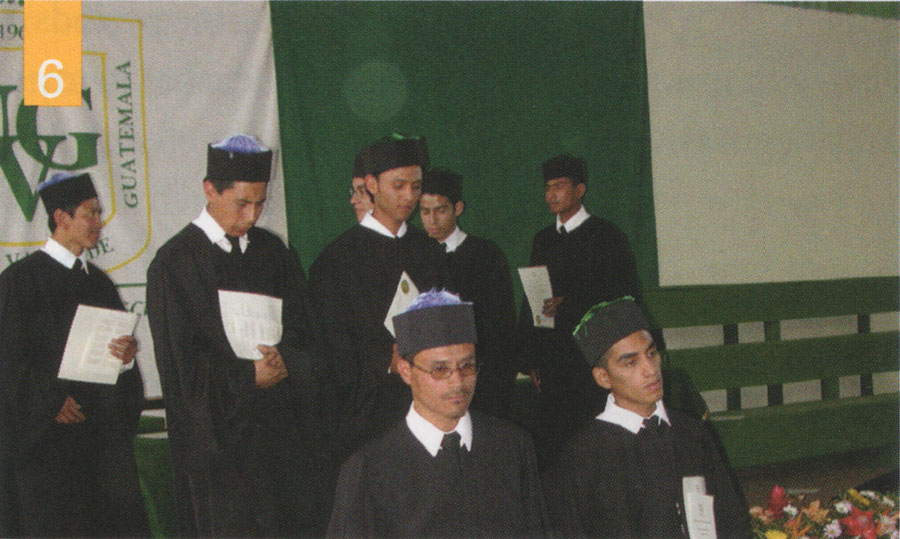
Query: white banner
{"type": "Point", "coordinates": [160, 81]}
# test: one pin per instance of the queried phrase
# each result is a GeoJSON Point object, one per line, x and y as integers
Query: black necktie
{"type": "Point", "coordinates": [78, 265]}
{"type": "Point", "coordinates": [450, 447]}
{"type": "Point", "coordinates": [562, 231]}
{"type": "Point", "coordinates": [652, 424]}
{"type": "Point", "coordinates": [659, 480]}
{"type": "Point", "coordinates": [235, 245]}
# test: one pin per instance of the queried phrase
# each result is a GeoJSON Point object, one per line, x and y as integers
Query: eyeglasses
{"type": "Point", "coordinates": [361, 191]}
{"type": "Point", "coordinates": [442, 371]}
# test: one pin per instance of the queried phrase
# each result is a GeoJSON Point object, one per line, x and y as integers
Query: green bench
{"type": "Point", "coordinates": [852, 377]}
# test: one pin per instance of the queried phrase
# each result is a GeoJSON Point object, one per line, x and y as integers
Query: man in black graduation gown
{"type": "Point", "coordinates": [477, 270]}
{"type": "Point", "coordinates": [239, 429]}
{"type": "Point", "coordinates": [74, 469]}
{"type": "Point", "coordinates": [589, 261]}
{"type": "Point", "coordinates": [622, 475]}
{"type": "Point", "coordinates": [442, 471]}
{"type": "Point", "coordinates": [353, 282]}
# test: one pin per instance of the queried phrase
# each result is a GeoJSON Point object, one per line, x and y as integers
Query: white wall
{"type": "Point", "coordinates": [774, 142]}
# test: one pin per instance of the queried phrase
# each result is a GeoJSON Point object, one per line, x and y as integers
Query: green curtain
{"type": "Point", "coordinates": [495, 87]}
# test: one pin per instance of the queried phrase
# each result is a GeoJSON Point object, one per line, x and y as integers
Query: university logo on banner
{"type": "Point", "coordinates": [106, 136]}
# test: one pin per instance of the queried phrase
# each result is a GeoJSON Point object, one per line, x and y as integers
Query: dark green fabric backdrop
{"type": "Point", "coordinates": [495, 87]}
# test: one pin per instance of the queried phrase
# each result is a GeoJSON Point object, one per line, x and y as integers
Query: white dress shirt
{"type": "Point", "coordinates": [615, 414]}
{"type": "Point", "coordinates": [64, 256]}
{"type": "Point", "coordinates": [454, 240]}
{"type": "Point", "coordinates": [216, 233]}
{"type": "Point", "coordinates": [370, 222]}
{"type": "Point", "coordinates": [431, 436]}
{"type": "Point", "coordinates": [574, 222]}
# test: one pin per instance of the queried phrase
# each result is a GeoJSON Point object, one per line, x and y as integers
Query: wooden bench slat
{"type": "Point", "coordinates": [750, 364]}
{"type": "Point", "coordinates": [686, 306]}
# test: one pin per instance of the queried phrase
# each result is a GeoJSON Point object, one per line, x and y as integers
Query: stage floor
{"type": "Point", "coordinates": [815, 478]}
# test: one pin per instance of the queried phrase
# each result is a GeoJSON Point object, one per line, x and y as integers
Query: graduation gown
{"type": "Point", "coordinates": [352, 284]}
{"type": "Point", "coordinates": [75, 479]}
{"type": "Point", "coordinates": [394, 488]}
{"type": "Point", "coordinates": [588, 265]}
{"type": "Point", "coordinates": [478, 271]}
{"type": "Point", "coordinates": [239, 453]}
{"type": "Point", "coordinates": [605, 484]}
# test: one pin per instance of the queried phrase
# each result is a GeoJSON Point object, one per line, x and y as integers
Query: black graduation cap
{"type": "Point", "coordinates": [435, 318]}
{"type": "Point", "coordinates": [438, 181]}
{"type": "Point", "coordinates": [605, 324]}
{"type": "Point", "coordinates": [394, 151]}
{"type": "Point", "coordinates": [66, 189]}
{"type": "Point", "coordinates": [239, 158]}
{"type": "Point", "coordinates": [565, 166]}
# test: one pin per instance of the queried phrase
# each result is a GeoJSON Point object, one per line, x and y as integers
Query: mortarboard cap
{"type": "Point", "coordinates": [605, 324]}
{"type": "Point", "coordinates": [393, 152]}
{"type": "Point", "coordinates": [239, 158]}
{"type": "Point", "coordinates": [565, 166]}
{"type": "Point", "coordinates": [435, 318]}
{"type": "Point", "coordinates": [66, 189]}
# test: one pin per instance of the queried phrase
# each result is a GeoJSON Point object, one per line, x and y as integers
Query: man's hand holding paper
{"type": "Point", "coordinates": [250, 321]}
{"type": "Point", "coordinates": [98, 345]}
{"type": "Point", "coordinates": [536, 284]}
{"type": "Point", "coordinates": [550, 305]}
{"type": "Point", "coordinates": [124, 348]}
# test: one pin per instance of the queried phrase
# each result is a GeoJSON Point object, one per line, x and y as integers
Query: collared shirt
{"type": "Point", "coordinates": [574, 222]}
{"type": "Point", "coordinates": [431, 436]}
{"type": "Point", "coordinates": [216, 233]}
{"type": "Point", "coordinates": [64, 256]}
{"type": "Point", "coordinates": [369, 221]}
{"type": "Point", "coordinates": [454, 240]}
{"type": "Point", "coordinates": [615, 414]}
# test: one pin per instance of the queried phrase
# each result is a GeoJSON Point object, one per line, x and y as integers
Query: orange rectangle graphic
{"type": "Point", "coordinates": [52, 53]}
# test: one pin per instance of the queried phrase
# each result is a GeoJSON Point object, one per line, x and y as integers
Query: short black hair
{"type": "Point", "coordinates": [219, 185]}
{"type": "Point", "coordinates": [443, 182]}
{"type": "Point", "coordinates": [70, 209]}
{"type": "Point", "coordinates": [603, 360]}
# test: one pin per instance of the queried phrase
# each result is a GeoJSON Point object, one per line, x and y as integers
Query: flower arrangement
{"type": "Point", "coordinates": [866, 514]}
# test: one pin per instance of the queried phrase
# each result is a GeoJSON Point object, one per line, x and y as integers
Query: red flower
{"type": "Point", "coordinates": [859, 523]}
{"type": "Point", "coordinates": [777, 501]}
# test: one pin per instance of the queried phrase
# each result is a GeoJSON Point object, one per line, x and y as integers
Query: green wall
{"type": "Point", "coordinates": [495, 87]}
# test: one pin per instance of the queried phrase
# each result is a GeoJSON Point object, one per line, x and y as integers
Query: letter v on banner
{"type": "Point", "coordinates": [52, 53]}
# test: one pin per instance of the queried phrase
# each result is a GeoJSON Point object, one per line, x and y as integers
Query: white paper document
{"type": "Point", "coordinates": [536, 283]}
{"type": "Point", "coordinates": [250, 320]}
{"type": "Point", "coordinates": [87, 357]}
{"type": "Point", "coordinates": [698, 508]}
{"type": "Point", "coordinates": [405, 294]}
{"type": "Point", "coordinates": [693, 484]}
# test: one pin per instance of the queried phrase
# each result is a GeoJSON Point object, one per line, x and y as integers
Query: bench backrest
{"type": "Point", "coordinates": [735, 366]}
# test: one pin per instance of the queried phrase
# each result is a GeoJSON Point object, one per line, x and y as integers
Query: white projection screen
{"type": "Point", "coordinates": [774, 142]}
